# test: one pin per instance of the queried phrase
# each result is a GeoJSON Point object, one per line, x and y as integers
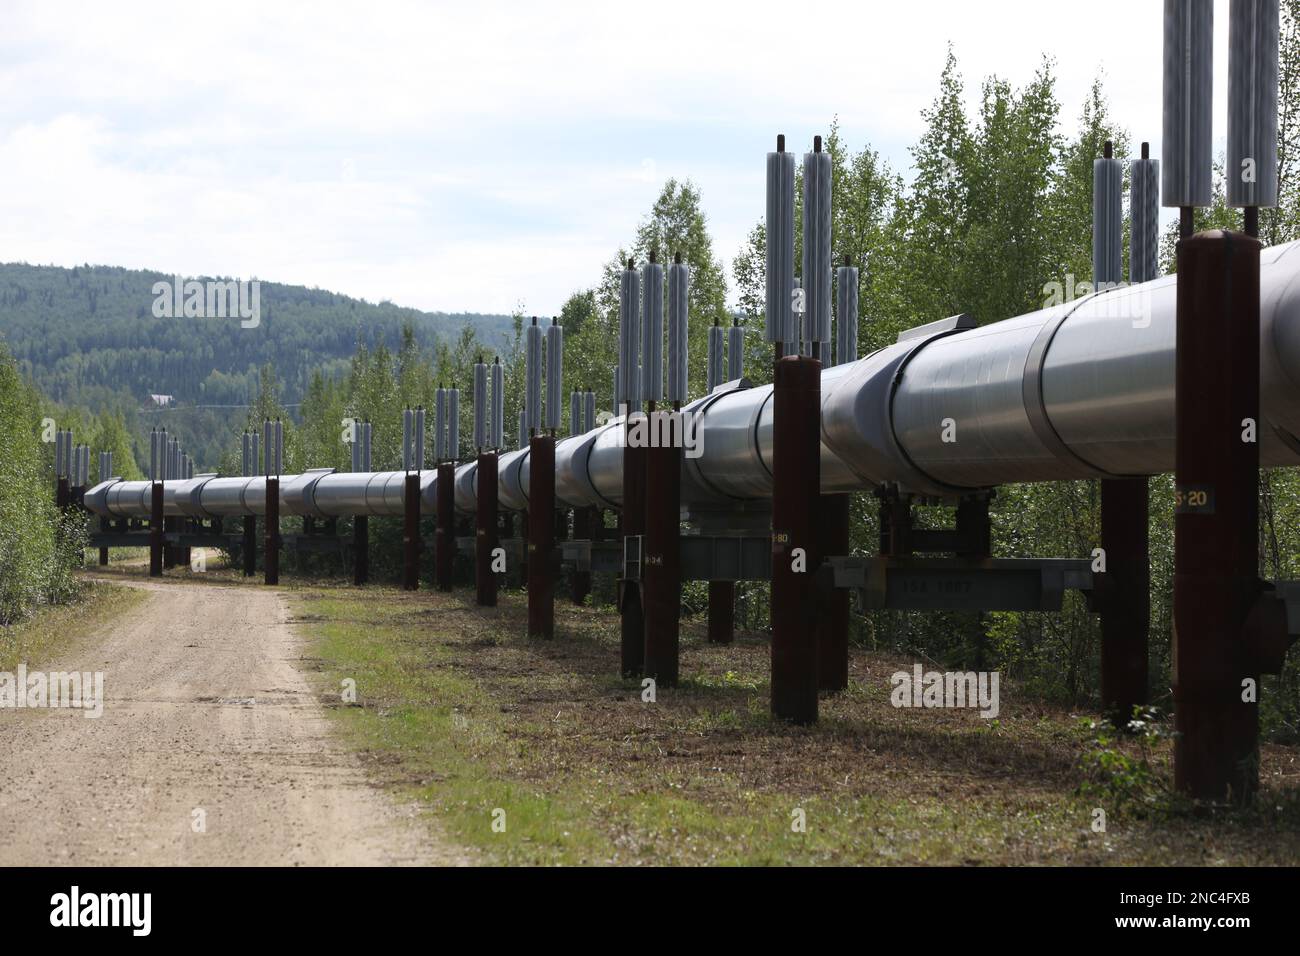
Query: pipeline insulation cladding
{"type": "Point", "coordinates": [1144, 211]}
{"type": "Point", "coordinates": [440, 424]}
{"type": "Point", "coordinates": [735, 352]}
{"type": "Point", "coordinates": [554, 374]}
{"type": "Point", "coordinates": [779, 228]}
{"type": "Point", "coordinates": [652, 331]}
{"type": "Point", "coordinates": [1188, 102]}
{"type": "Point", "coordinates": [795, 323]}
{"type": "Point", "coordinates": [406, 439]}
{"type": "Point", "coordinates": [480, 406]}
{"type": "Point", "coordinates": [1252, 102]}
{"type": "Point", "coordinates": [846, 315]}
{"type": "Point", "coordinates": [629, 337]}
{"type": "Point", "coordinates": [713, 358]}
{"type": "Point", "coordinates": [589, 410]}
{"type": "Point", "coordinates": [533, 375]}
{"type": "Point", "coordinates": [1107, 222]}
{"type": "Point", "coordinates": [816, 269]}
{"type": "Point", "coordinates": [679, 285]}
{"type": "Point", "coordinates": [498, 405]}
{"type": "Point", "coordinates": [418, 462]}
{"type": "Point", "coordinates": [453, 424]}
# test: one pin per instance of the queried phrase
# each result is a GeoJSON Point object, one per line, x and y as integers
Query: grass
{"type": "Point", "coordinates": [53, 629]}
{"type": "Point", "coordinates": [461, 712]}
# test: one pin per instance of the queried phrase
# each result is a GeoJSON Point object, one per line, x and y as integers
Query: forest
{"type": "Point", "coordinates": [89, 336]}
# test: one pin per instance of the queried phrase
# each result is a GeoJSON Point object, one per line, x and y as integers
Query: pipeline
{"type": "Point", "coordinates": [1083, 389]}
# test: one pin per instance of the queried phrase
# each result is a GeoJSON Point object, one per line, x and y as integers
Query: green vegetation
{"type": "Point", "coordinates": [89, 337]}
{"type": "Point", "coordinates": [38, 547]}
{"type": "Point", "coordinates": [49, 629]}
{"type": "Point", "coordinates": [460, 711]}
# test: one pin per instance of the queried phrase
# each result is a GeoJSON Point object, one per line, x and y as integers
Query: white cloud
{"type": "Point", "coordinates": [454, 156]}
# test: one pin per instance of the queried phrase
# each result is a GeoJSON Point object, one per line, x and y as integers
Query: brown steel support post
{"type": "Point", "coordinates": [833, 602]}
{"type": "Point", "coordinates": [485, 518]}
{"type": "Point", "coordinates": [169, 552]}
{"type": "Point", "coordinates": [661, 569]}
{"type": "Point", "coordinates": [250, 545]}
{"type": "Point", "coordinates": [103, 552]}
{"type": "Point", "coordinates": [446, 535]}
{"type": "Point", "coordinates": [156, 530]}
{"type": "Point", "coordinates": [1216, 514]}
{"type": "Point", "coordinates": [541, 536]}
{"type": "Point", "coordinates": [526, 537]}
{"type": "Point", "coordinates": [360, 549]}
{"type": "Point", "coordinates": [62, 494]}
{"type": "Point", "coordinates": [271, 538]}
{"type": "Point", "coordinates": [1126, 599]}
{"type": "Point", "coordinates": [722, 611]}
{"type": "Point", "coordinates": [796, 478]}
{"type": "Point", "coordinates": [630, 606]}
{"type": "Point", "coordinates": [411, 532]}
{"type": "Point", "coordinates": [584, 522]}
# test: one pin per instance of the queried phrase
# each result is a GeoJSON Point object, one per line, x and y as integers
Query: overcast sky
{"type": "Point", "coordinates": [474, 156]}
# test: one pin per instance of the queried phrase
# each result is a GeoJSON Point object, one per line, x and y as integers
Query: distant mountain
{"type": "Point", "coordinates": [91, 332]}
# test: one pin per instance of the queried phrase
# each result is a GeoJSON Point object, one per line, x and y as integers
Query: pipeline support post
{"type": "Point", "coordinates": [833, 602]}
{"type": "Point", "coordinates": [796, 479]}
{"type": "Point", "coordinates": [360, 550]}
{"type": "Point", "coordinates": [411, 532]}
{"type": "Point", "coordinates": [1125, 597]}
{"type": "Point", "coordinates": [155, 529]}
{"type": "Point", "coordinates": [722, 611]}
{"type": "Point", "coordinates": [661, 563]}
{"type": "Point", "coordinates": [630, 606]}
{"type": "Point", "coordinates": [271, 538]}
{"type": "Point", "coordinates": [1216, 514]}
{"type": "Point", "coordinates": [541, 536]}
{"type": "Point", "coordinates": [445, 542]}
{"type": "Point", "coordinates": [485, 541]}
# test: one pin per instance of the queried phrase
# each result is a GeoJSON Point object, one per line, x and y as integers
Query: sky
{"type": "Point", "coordinates": [486, 156]}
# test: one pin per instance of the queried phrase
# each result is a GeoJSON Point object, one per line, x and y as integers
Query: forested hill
{"type": "Point", "coordinates": [88, 332]}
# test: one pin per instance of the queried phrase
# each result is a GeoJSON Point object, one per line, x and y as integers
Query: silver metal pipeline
{"type": "Point", "coordinates": [320, 492]}
{"type": "Point", "coordinates": [1080, 389]}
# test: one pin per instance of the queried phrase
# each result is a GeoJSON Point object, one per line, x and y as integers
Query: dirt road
{"type": "Point", "coordinates": [207, 718]}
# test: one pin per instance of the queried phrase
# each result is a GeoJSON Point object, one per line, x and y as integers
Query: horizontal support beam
{"type": "Point", "coordinates": [597, 557]}
{"type": "Point", "coordinates": [951, 584]}
{"type": "Point", "coordinates": [711, 557]}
